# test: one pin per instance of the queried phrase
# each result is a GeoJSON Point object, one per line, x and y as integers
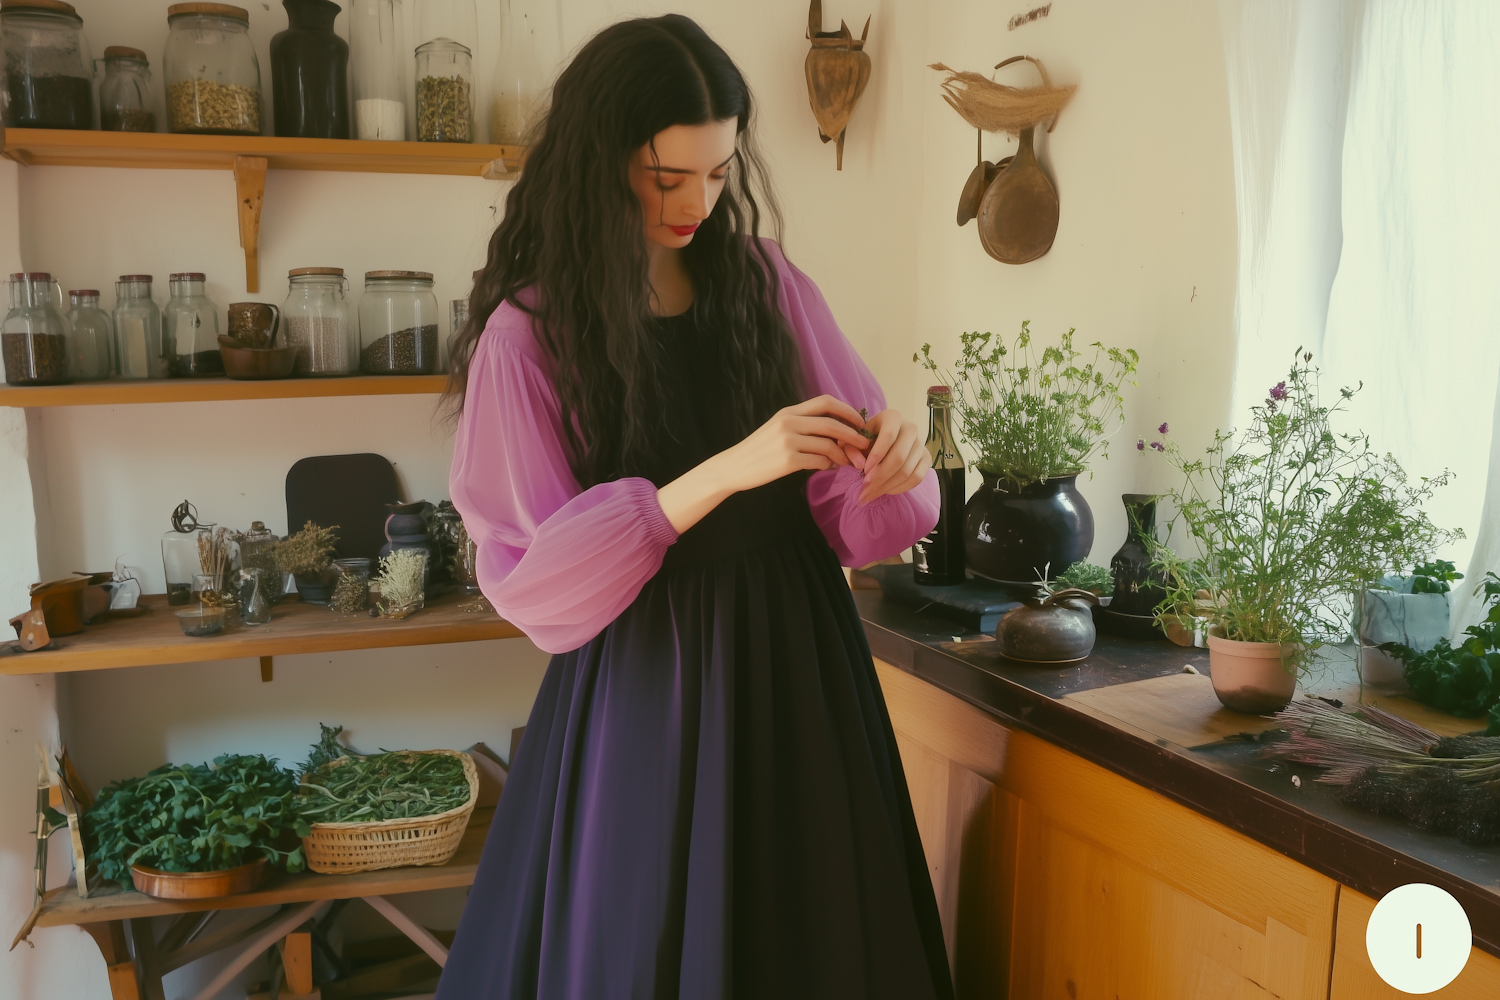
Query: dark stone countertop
{"type": "Point", "coordinates": [1228, 781]}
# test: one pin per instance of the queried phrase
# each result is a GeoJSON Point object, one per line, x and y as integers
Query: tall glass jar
{"type": "Point", "coordinates": [378, 69]}
{"type": "Point", "coordinates": [34, 340]}
{"type": "Point", "coordinates": [138, 344]}
{"type": "Point", "coordinates": [398, 324]}
{"type": "Point", "coordinates": [518, 78]}
{"type": "Point", "coordinates": [48, 72]}
{"type": "Point", "coordinates": [310, 73]}
{"type": "Point", "coordinates": [256, 547]}
{"type": "Point", "coordinates": [126, 103]}
{"type": "Point", "coordinates": [445, 92]}
{"type": "Point", "coordinates": [93, 336]}
{"type": "Point", "coordinates": [459, 311]}
{"type": "Point", "coordinates": [321, 322]}
{"type": "Point", "coordinates": [210, 69]}
{"type": "Point", "coordinates": [190, 328]}
{"type": "Point", "coordinates": [179, 560]}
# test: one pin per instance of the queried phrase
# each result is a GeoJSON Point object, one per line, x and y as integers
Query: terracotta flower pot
{"type": "Point", "coordinates": [1249, 676]}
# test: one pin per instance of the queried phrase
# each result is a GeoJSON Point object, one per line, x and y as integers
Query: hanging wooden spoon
{"type": "Point", "coordinates": [980, 178]}
{"type": "Point", "coordinates": [1019, 212]}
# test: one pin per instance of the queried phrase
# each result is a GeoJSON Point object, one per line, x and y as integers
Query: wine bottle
{"type": "Point", "coordinates": [938, 559]}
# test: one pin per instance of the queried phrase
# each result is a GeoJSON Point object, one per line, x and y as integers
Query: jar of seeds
{"type": "Point", "coordinates": [125, 101]}
{"type": "Point", "coordinates": [445, 92]}
{"type": "Point", "coordinates": [398, 324]}
{"type": "Point", "coordinates": [93, 336]}
{"type": "Point", "coordinates": [35, 336]}
{"type": "Point", "coordinates": [190, 325]}
{"type": "Point", "coordinates": [48, 73]}
{"type": "Point", "coordinates": [351, 591]}
{"type": "Point", "coordinates": [210, 69]}
{"type": "Point", "coordinates": [321, 322]}
{"type": "Point", "coordinates": [138, 344]}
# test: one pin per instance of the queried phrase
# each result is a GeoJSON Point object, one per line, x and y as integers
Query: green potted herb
{"type": "Point", "coordinates": [308, 556]}
{"type": "Point", "coordinates": [1462, 679]}
{"type": "Point", "coordinates": [1293, 519]}
{"type": "Point", "coordinates": [162, 832]}
{"type": "Point", "coordinates": [1084, 575]}
{"type": "Point", "coordinates": [1410, 610]}
{"type": "Point", "coordinates": [1035, 420]}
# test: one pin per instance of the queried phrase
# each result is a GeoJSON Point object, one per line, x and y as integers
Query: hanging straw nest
{"type": "Point", "coordinates": [994, 107]}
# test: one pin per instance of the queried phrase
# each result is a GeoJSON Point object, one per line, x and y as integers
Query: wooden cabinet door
{"type": "Point", "coordinates": [1354, 978]}
{"type": "Point", "coordinates": [1059, 879]}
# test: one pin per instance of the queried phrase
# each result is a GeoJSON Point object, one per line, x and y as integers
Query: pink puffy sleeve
{"type": "Point", "coordinates": [557, 561]}
{"type": "Point", "coordinates": [861, 533]}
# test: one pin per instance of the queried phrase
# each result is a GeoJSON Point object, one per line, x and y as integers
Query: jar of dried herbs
{"type": "Point", "coordinates": [351, 591]}
{"type": "Point", "coordinates": [125, 101]}
{"type": "Point", "coordinates": [48, 72]}
{"type": "Point", "coordinates": [398, 324]}
{"type": "Point", "coordinates": [210, 69]}
{"type": "Point", "coordinates": [34, 340]}
{"type": "Point", "coordinates": [257, 551]}
{"type": "Point", "coordinates": [445, 92]}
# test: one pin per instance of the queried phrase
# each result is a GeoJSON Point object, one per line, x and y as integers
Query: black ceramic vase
{"type": "Point", "coordinates": [406, 528]}
{"type": "Point", "coordinates": [1137, 590]}
{"type": "Point", "coordinates": [310, 73]}
{"type": "Point", "coordinates": [1015, 535]}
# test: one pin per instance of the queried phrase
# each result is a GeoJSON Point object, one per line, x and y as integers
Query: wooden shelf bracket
{"type": "Point", "coordinates": [250, 191]}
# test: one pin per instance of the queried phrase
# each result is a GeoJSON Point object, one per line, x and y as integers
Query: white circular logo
{"type": "Point", "coordinates": [1418, 938]}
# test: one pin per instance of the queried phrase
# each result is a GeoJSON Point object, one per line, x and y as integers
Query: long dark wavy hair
{"type": "Point", "coordinates": [573, 233]}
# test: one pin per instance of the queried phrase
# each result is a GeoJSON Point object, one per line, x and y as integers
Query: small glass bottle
{"type": "Point", "coordinates": [138, 346]}
{"type": "Point", "coordinates": [321, 322]}
{"type": "Point", "coordinates": [249, 590]}
{"type": "Point", "coordinates": [256, 552]}
{"type": "Point", "coordinates": [48, 71]}
{"type": "Point", "coordinates": [179, 559]}
{"type": "Point", "coordinates": [126, 103]}
{"type": "Point", "coordinates": [398, 324]}
{"type": "Point", "coordinates": [35, 340]}
{"type": "Point", "coordinates": [518, 78]}
{"type": "Point", "coordinates": [938, 559]}
{"type": "Point", "coordinates": [445, 92]}
{"type": "Point", "coordinates": [93, 336]}
{"type": "Point", "coordinates": [459, 318]}
{"type": "Point", "coordinates": [190, 328]}
{"type": "Point", "coordinates": [310, 73]}
{"type": "Point", "coordinates": [377, 59]}
{"type": "Point", "coordinates": [212, 75]}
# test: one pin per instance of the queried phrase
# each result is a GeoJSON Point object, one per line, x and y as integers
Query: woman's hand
{"type": "Point", "coordinates": [818, 434]}
{"type": "Point", "coordinates": [897, 460]}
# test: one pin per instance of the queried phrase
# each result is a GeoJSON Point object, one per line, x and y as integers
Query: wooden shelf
{"type": "Point", "coordinates": [156, 150]}
{"type": "Point", "coordinates": [295, 627]}
{"type": "Point", "coordinates": [189, 390]}
{"type": "Point", "coordinates": [251, 156]}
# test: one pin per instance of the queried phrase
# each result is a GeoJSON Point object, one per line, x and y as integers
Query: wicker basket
{"type": "Point", "coordinates": [346, 848]}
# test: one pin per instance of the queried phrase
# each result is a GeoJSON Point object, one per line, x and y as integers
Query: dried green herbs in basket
{"type": "Point", "coordinates": [393, 784]}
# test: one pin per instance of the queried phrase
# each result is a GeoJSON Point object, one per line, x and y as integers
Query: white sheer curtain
{"type": "Point", "coordinates": [1367, 138]}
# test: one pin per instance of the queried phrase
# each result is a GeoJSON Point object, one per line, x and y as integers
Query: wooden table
{"type": "Point", "coordinates": [294, 627]}
{"type": "Point", "coordinates": [108, 914]}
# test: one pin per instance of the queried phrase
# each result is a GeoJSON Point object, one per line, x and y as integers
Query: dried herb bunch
{"type": "Point", "coordinates": [1029, 416]}
{"type": "Point", "coordinates": [400, 578]}
{"type": "Point", "coordinates": [215, 554]}
{"type": "Point", "coordinates": [1388, 765]}
{"type": "Point", "coordinates": [309, 551]}
{"type": "Point", "coordinates": [443, 109]}
{"type": "Point", "coordinates": [341, 786]}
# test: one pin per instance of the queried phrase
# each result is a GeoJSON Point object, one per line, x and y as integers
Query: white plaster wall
{"type": "Point", "coordinates": [1141, 161]}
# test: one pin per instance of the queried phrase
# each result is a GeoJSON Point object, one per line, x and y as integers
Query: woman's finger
{"type": "Point", "coordinates": [826, 405]}
{"type": "Point", "coordinates": [887, 430]}
{"type": "Point", "coordinates": [830, 428]}
{"type": "Point", "coordinates": [814, 444]}
{"type": "Point", "coordinates": [892, 461]}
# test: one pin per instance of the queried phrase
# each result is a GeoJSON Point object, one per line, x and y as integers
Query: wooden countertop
{"type": "Point", "coordinates": [1130, 708]}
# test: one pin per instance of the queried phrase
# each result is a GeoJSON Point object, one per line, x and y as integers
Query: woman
{"type": "Point", "coordinates": [660, 456]}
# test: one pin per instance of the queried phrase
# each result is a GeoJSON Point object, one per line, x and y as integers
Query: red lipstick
{"type": "Point", "coordinates": [685, 230]}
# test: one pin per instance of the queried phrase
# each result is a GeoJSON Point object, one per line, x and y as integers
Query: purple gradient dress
{"type": "Point", "coordinates": [708, 801]}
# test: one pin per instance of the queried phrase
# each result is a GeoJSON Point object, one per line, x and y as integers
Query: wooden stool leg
{"type": "Point", "coordinates": [110, 937]}
{"type": "Point", "coordinates": [145, 959]}
{"type": "Point", "coordinates": [296, 958]}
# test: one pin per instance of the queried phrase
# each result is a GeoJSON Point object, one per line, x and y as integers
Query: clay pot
{"type": "Point", "coordinates": [1057, 628]}
{"type": "Point", "coordinates": [1249, 676]}
{"type": "Point", "coordinates": [317, 588]}
{"type": "Point", "coordinates": [1012, 535]}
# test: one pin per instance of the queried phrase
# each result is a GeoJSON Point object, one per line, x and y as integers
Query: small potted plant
{"type": "Point", "coordinates": [1464, 679]}
{"type": "Point", "coordinates": [308, 556]}
{"type": "Point", "coordinates": [1293, 519]}
{"type": "Point", "coordinates": [1036, 419]}
{"type": "Point", "coordinates": [1410, 610]}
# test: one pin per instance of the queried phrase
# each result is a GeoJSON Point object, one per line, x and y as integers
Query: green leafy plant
{"type": "Point", "coordinates": [309, 551]}
{"type": "Point", "coordinates": [195, 818]}
{"type": "Point", "coordinates": [1292, 519]}
{"type": "Point", "coordinates": [1084, 575]}
{"type": "Point", "coordinates": [1031, 416]}
{"type": "Point", "coordinates": [1434, 577]}
{"type": "Point", "coordinates": [1462, 679]}
{"type": "Point", "coordinates": [397, 784]}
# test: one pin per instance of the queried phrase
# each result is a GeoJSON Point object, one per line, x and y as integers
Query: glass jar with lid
{"type": "Point", "coordinates": [257, 547]}
{"type": "Point", "coordinates": [125, 100]}
{"type": "Point", "coordinates": [377, 61]}
{"type": "Point", "coordinates": [34, 340]}
{"type": "Point", "coordinates": [398, 324]}
{"type": "Point", "coordinates": [321, 322]}
{"type": "Point", "coordinates": [93, 336]}
{"type": "Point", "coordinates": [138, 345]}
{"type": "Point", "coordinates": [190, 328]}
{"type": "Point", "coordinates": [210, 69]}
{"type": "Point", "coordinates": [48, 72]}
{"type": "Point", "coordinates": [445, 92]}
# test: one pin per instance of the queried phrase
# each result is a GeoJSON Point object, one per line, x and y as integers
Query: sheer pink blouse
{"type": "Point", "coordinates": [561, 562]}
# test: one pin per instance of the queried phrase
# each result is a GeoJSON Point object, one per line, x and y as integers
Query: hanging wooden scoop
{"type": "Point", "coordinates": [980, 178]}
{"type": "Point", "coordinates": [838, 70]}
{"type": "Point", "coordinates": [1019, 211]}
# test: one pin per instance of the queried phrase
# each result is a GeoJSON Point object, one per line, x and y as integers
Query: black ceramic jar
{"type": "Point", "coordinates": [1015, 535]}
{"type": "Point", "coordinates": [310, 73]}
